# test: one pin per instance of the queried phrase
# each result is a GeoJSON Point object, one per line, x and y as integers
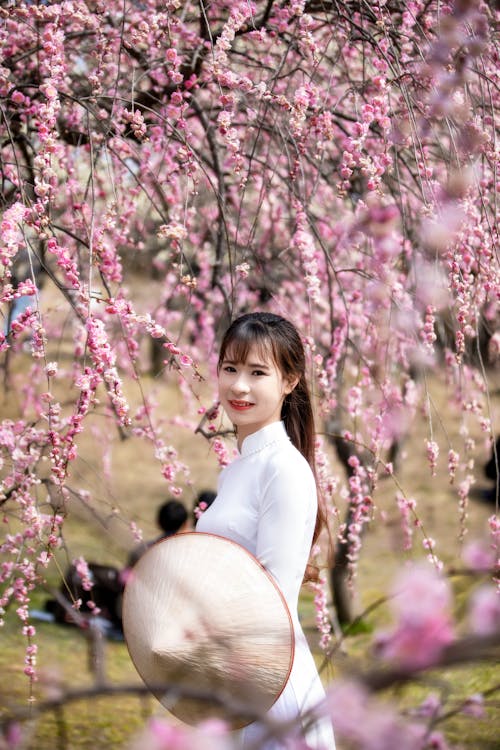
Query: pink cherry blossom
{"type": "Point", "coordinates": [421, 604]}
{"type": "Point", "coordinates": [484, 610]}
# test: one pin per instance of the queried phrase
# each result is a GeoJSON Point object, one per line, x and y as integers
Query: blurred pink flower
{"type": "Point", "coordinates": [368, 723]}
{"type": "Point", "coordinates": [478, 556]}
{"type": "Point", "coordinates": [213, 734]}
{"type": "Point", "coordinates": [421, 604]}
{"type": "Point", "coordinates": [430, 707]}
{"type": "Point", "coordinates": [160, 734]}
{"type": "Point", "coordinates": [484, 610]}
{"type": "Point", "coordinates": [474, 706]}
{"type": "Point", "coordinates": [431, 285]}
{"type": "Point", "coordinates": [14, 736]}
{"type": "Point", "coordinates": [438, 232]}
{"type": "Point", "coordinates": [419, 590]}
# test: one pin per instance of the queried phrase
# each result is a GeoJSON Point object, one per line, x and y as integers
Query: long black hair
{"type": "Point", "coordinates": [272, 333]}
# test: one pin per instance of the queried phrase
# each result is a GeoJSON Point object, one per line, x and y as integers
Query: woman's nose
{"type": "Point", "coordinates": [240, 385]}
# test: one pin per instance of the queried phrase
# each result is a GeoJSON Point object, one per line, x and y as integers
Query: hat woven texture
{"type": "Point", "coordinates": [203, 618]}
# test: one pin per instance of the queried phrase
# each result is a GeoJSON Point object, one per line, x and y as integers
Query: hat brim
{"type": "Point", "coordinates": [208, 629]}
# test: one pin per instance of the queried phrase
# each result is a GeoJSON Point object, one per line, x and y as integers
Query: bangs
{"type": "Point", "coordinates": [237, 346]}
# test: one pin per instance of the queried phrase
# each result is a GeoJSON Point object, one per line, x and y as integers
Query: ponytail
{"type": "Point", "coordinates": [298, 417]}
{"type": "Point", "coordinates": [297, 414]}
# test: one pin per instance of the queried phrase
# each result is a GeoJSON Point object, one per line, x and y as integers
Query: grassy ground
{"type": "Point", "coordinates": [133, 489]}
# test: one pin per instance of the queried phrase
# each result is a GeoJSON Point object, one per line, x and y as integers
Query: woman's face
{"type": "Point", "coordinates": [252, 392]}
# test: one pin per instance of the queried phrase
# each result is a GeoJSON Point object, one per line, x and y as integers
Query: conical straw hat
{"type": "Point", "coordinates": [200, 613]}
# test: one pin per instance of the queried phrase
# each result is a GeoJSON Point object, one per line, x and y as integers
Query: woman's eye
{"type": "Point", "coordinates": [258, 372]}
{"type": "Point", "coordinates": [229, 368]}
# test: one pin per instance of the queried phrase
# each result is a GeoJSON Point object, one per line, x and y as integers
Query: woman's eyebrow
{"type": "Point", "coordinates": [253, 365]}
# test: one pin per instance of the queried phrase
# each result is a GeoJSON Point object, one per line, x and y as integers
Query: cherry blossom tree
{"type": "Point", "coordinates": [333, 162]}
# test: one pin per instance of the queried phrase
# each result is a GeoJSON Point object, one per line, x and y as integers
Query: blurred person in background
{"type": "Point", "coordinates": [172, 518]}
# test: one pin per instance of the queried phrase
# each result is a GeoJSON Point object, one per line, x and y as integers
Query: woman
{"type": "Point", "coordinates": [267, 498]}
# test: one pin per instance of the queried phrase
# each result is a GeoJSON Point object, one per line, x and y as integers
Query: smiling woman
{"type": "Point", "coordinates": [252, 392]}
{"type": "Point", "coordinates": [267, 499]}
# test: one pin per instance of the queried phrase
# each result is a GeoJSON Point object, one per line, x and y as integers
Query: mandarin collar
{"type": "Point", "coordinates": [270, 434]}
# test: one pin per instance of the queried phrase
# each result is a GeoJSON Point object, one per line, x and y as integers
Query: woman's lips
{"type": "Point", "coordinates": [240, 405]}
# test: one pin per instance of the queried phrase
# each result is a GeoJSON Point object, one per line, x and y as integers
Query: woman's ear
{"type": "Point", "coordinates": [290, 384]}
